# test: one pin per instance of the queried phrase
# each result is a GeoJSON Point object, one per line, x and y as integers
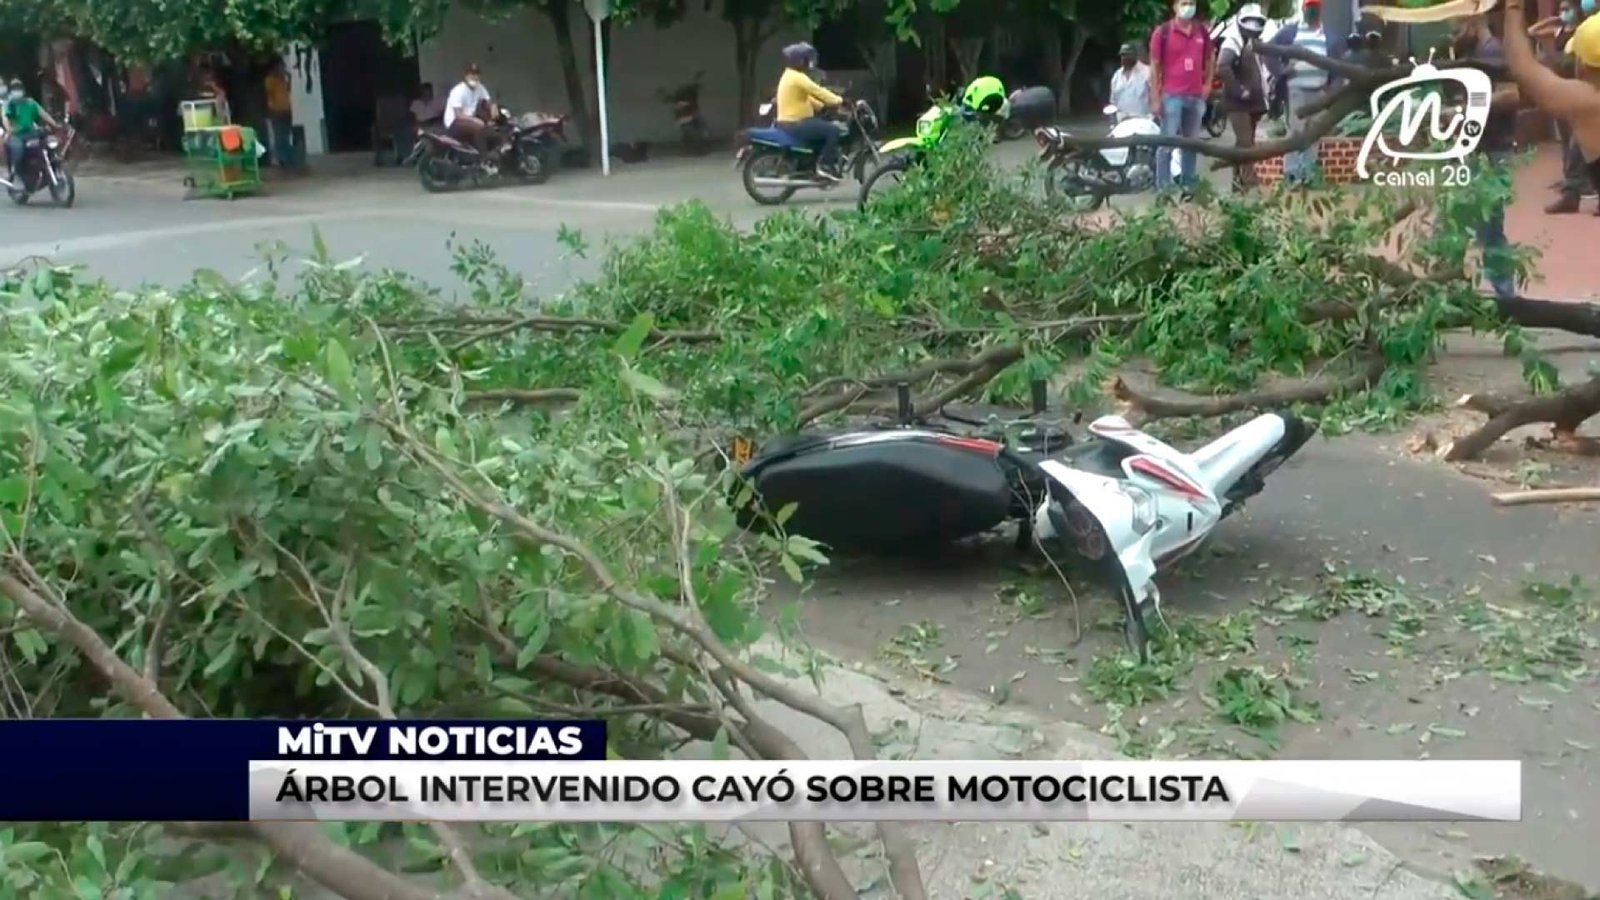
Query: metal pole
{"type": "Point", "coordinates": [600, 84]}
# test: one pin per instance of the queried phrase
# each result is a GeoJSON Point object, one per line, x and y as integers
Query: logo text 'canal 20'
{"type": "Point", "coordinates": [1412, 101]}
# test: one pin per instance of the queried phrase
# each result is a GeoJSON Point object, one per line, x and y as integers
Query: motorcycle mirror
{"type": "Point", "coordinates": [902, 397]}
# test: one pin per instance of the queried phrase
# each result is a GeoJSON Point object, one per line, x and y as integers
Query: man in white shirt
{"type": "Point", "coordinates": [469, 110]}
{"type": "Point", "coordinates": [1130, 85]}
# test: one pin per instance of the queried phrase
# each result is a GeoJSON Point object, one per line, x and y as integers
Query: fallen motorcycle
{"type": "Point", "coordinates": [1121, 500]}
{"type": "Point", "coordinates": [530, 152]}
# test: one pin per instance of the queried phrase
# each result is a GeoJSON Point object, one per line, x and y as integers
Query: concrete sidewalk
{"type": "Point", "coordinates": [1114, 861]}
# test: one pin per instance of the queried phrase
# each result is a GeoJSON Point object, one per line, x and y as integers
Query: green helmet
{"type": "Point", "coordinates": [985, 95]}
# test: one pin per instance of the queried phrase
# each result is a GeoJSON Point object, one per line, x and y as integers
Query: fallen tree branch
{"type": "Point", "coordinates": [1152, 402]}
{"type": "Point", "coordinates": [303, 846]}
{"type": "Point", "coordinates": [482, 328]}
{"type": "Point", "coordinates": [1553, 495]}
{"type": "Point", "coordinates": [974, 372]}
{"type": "Point", "coordinates": [525, 397]}
{"type": "Point", "coordinates": [1564, 410]}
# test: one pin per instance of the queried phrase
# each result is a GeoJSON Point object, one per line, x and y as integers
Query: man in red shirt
{"type": "Point", "coordinates": [1181, 68]}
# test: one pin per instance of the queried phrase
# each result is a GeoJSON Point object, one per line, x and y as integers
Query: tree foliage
{"type": "Point", "coordinates": [352, 497]}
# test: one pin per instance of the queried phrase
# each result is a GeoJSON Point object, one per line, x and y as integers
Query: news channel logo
{"type": "Point", "coordinates": [1418, 100]}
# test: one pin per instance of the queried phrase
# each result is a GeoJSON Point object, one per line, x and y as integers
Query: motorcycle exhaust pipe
{"type": "Point", "coordinates": [781, 182]}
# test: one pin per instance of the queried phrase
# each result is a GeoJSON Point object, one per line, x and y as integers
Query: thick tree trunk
{"type": "Point", "coordinates": [935, 72]}
{"type": "Point", "coordinates": [1055, 73]}
{"type": "Point", "coordinates": [969, 55]}
{"type": "Point", "coordinates": [560, 15]}
{"type": "Point", "coordinates": [1080, 38]}
{"type": "Point", "coordinates": [880, 57]}
{"type": "Point", "coordinates": [748, 38]}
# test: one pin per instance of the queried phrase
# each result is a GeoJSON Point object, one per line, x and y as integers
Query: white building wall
{"type": "Point", "coordinates": [522, 69]}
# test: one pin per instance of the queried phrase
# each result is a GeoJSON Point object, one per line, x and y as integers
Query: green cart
{"type": "Point", "coordinates": [224, 161]}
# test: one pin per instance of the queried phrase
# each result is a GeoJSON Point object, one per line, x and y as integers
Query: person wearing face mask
{"type": "Point", "coordinates": [1182, 66]}
{"type": "Point", "coordinates": [1243, 92]}
{"type": "Point", "coordinates": [1130, 85]}
{"type": "Point", "coordinates": [468, 112]}
{"type": "Point", "coordinates": [1576, 100]}
{"type": "Point", "coordinates": [800, 100]}
{"type": "Point", "coordinates": [1574, 183]}
{"type": "Point", "coordinates": [21, 116]}
{"type": "Point", "coordinates": [1303, 83]}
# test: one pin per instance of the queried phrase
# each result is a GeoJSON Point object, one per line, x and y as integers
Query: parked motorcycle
{"type": "Point", "coordinates": [1123, 501]}
{"type": "Point", "coordinates": [1084, 179]}
{"type": "Point", "coordinates": [530, 151]}
{"type": "Point", "coordinates": [900, 154]}
{"type": "Point", "coordinates": [685, 103]}
{"type": "Point", "coordinates": [775, 166]}
{"type": "Point", "coordinates": [43, 167]}
{"type": "Point", "coordinates": [1029, 108]}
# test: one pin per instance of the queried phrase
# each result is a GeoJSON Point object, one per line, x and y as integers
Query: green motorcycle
{"type": "Point", "coordinates": [984, 100]}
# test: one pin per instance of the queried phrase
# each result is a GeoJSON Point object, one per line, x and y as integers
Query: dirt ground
{"type": "Point", "coordinates": [1371, 603]}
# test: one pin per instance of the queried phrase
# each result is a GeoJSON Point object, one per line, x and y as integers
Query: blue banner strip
{"type": "Point", "coordinates": [120, 770]}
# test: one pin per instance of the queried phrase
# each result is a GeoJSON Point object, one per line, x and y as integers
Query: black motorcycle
{"type": "Point", "coordinates": [43, 167]}
{"type": "Point", "coordinates": [685, 103]}
{"type": "Point", "coordinates": [530, 151]}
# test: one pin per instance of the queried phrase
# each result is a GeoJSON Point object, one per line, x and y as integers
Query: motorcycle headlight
{"type": "Point", "coordinates": [924, 127]}
{"type": "Point", "coordinates": [1144, 508]}
{"type": "Point", "coordinates": [52, 143]}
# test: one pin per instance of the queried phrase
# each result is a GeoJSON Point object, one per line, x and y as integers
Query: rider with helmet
{"type": "Point", "coordinates": [986, 97]}
{"type": "Point", "coordinates": [799, 101]}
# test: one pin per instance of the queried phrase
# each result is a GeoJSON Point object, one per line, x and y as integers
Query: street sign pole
{"type": "Point", "coordinates": [598, 11]}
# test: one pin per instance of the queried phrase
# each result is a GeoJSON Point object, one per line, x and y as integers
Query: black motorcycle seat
{"type": "Point", "coordinates": [1098, 457]}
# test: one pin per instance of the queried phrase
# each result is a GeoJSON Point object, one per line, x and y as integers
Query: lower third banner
{"type": "Point", "coordinates": [725, 791]}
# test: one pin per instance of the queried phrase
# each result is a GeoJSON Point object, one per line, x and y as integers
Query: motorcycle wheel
{"type": "Point", "coordinates": [767, 164]}
{"type": "Point", "coordinates": [20, 198]}
{"type": "Point", "coordinates": [1216, 123]}
{"type": "Point", "coordinates": [427, 173]}
{"type": "Point", "coordinates": [1068, 193]}
{"type": "Point", "coordinates": [1012, 130]}
{"type": "Point", "coordinates": [65, 191]}
{"type": "Point", "coordinates": [884, 178]}
{"type": "Point", "coordinates": [532, 167]}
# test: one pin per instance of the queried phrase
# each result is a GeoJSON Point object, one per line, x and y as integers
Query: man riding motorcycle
{"type": "Point", "coordinates": [21, 117]}
{"type": "Point", "coordinates": [469, 115]}
{"type": "Point", "coordinates": [800, 100]}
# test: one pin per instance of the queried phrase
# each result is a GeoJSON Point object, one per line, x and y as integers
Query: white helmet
{"type": "Point", "coordinates": [1252, 18]}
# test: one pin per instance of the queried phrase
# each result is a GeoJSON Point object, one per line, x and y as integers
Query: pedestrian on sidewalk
{"type": "Point", "coordinates": [1243, 88]}
{"type": "Point", "coordinates": [1182, 66]}
{"type": "Point", "coordinates": [1304, 84]}
{"type": "Point", "coordinates": [280, 115]}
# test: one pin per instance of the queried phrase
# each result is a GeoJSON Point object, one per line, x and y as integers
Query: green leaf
{"type": "Point", "coordinates": [27, 851]}
{"type": "Point", "coordinates": [338, 368]}
{"type": "Point", "coordinates": [785, 513]}
{"type": "Point", "coordinates": [719, 746]}
{"type": "Point", "coordinates": [648, 386]}
{"type": "Point", "coordinates": [221, 660]}
{"type": "Point", "coordinates": [96, 850]}
{"type": "Point", "coordinates": [628, 343]}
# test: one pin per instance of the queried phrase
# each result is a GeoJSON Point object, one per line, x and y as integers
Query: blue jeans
{"type": "Point", "coordinates": [1498, 269]}
{"type": "Point", "coordinates": [1180, 117]}
{"type": "Point", "coordinates": [280, 134]}
{"type": "Point", "coordinates": [1300, 165]}
{"type": "Point", "coordinates": [16, 145]}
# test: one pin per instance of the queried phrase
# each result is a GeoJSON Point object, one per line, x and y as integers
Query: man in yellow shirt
{"type": "Point", "coordinates": [280, 114]}
{"type": "Point", "coordinates": [799, 100]}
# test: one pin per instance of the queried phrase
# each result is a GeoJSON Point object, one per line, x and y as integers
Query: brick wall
{"type": "Point", "coordinates": [1335, 155]}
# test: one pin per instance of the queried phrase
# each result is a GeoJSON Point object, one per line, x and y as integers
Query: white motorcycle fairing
{"type": "Point", "coordinates": [1153, 503]}
{"type": "Point", "coordinates": [1134, 126]}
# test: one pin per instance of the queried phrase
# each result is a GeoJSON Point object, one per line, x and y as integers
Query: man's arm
{"type": "Point", "coordinates": [1552, 93]}
{"type": "Point", "coordinates": [1211, 68]}
{"type": "Point", "coordinates": [1155, 66]}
